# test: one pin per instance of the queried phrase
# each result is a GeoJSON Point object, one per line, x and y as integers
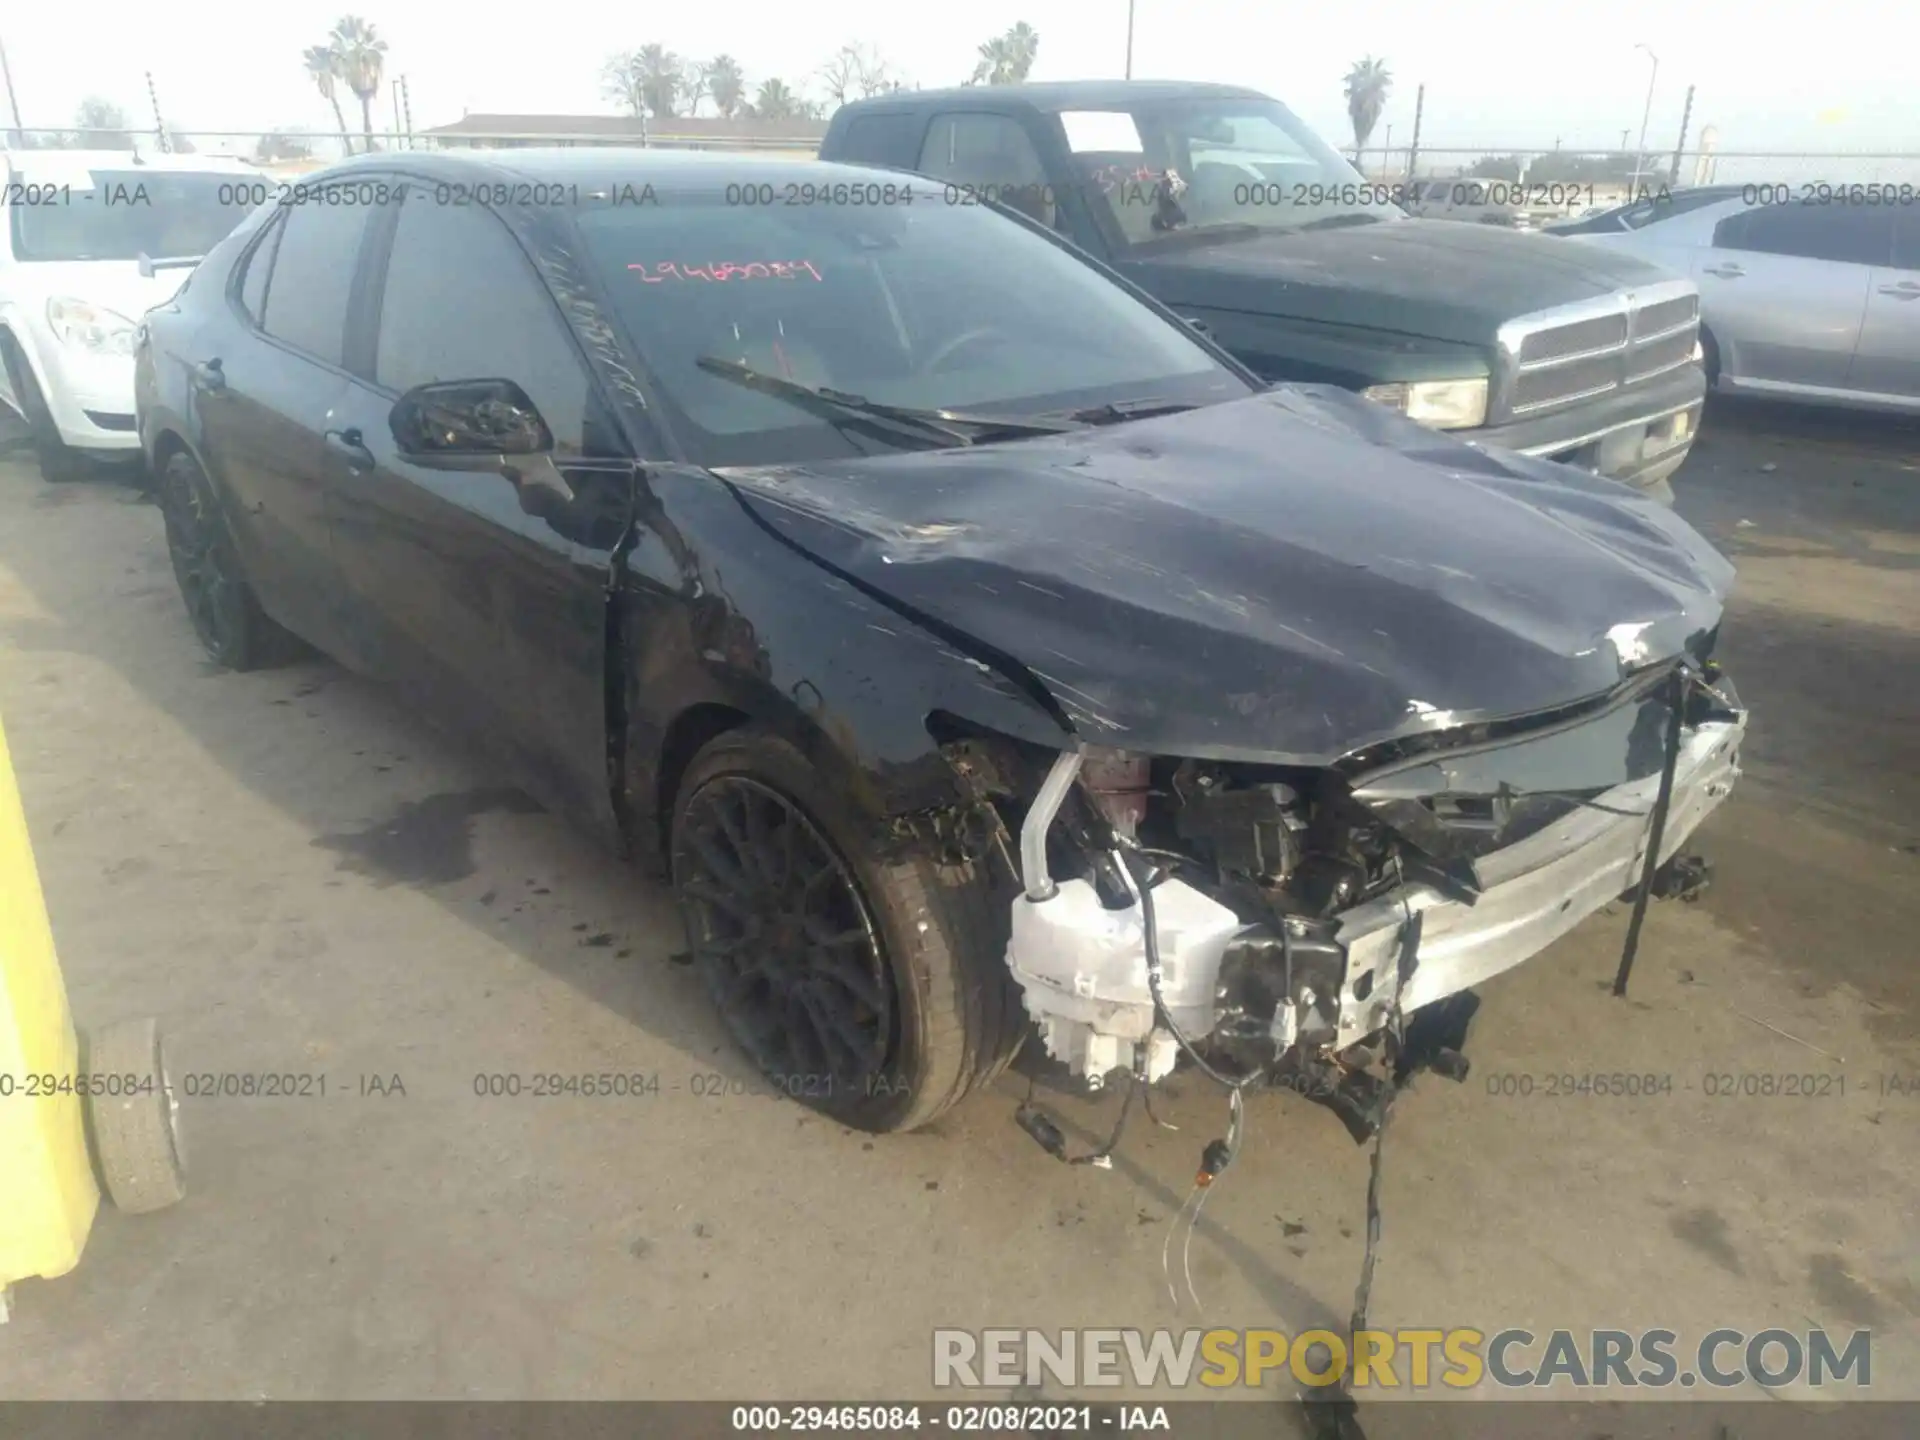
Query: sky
{"type": "Point", "coordinates": [1789, 77]}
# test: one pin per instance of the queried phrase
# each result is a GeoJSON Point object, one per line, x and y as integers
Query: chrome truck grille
{"type": "Point", "coordinates": [1593, 347]}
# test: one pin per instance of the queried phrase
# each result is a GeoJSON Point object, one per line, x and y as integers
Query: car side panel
{"type": "Point", "coordinates": [715, 609]}
{"type": "Point", "coordinates": [1887, 360]}
{"type": "Point", "coordinates": [1779, 319]}
{"type": "Point", "coordinates": [482, 597]}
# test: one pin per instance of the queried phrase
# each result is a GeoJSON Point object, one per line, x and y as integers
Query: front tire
{"type": "Point", "coordinates": [225, 614]}
{"type": "Point", "coordinates": [59, 461]}
{"type": "Point", "coordinates": [872, 986]}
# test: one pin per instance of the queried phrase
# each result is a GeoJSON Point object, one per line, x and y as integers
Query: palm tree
{"type": "Point", "coordinates": [1367, 86]}
{"type": "Point", "coordinates": [994, 62]}
{"type": "Point", "coordinates": [726, 85]}
{"type": "Point", "coordinates": [660, 78]}
{"type": "Point", "coordinates": [361, 56]}
{"type": "Point", "coordinates": [776, 102]}
{"type": "Point", "coordinates": [1023, 41]}
{"type": "Point", "coordinates": [323, 68]}
{"type": "Point", "coordinates": [1006, 59]}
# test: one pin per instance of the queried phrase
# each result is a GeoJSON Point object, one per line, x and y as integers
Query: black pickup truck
{"type": "Point", "coordinates": [1222, 204]}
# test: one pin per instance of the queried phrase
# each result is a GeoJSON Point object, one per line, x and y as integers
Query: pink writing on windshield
{"type": "Point", "coordinates": [714, 270]}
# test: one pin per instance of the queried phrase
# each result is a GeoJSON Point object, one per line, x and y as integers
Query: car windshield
{"type": "Point", "coordinates": [1164, 167]}
{"type": "Point", "coordinates": [911, 304]}
{"type": "Point", "coordinates": [123, 214]}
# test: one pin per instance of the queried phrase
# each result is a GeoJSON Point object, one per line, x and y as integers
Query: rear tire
{"type": "Point", "coordinates": [136, 1133]}
{"type": "Point", "coordinates": [870, 986]}
{"type": "Point", "coordinates": [225, 614]}
{"type": "Point", "coordinates": [59, 461]}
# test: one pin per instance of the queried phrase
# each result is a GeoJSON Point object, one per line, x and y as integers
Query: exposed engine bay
{"type": "Point", "coordinates": [1266, 919]}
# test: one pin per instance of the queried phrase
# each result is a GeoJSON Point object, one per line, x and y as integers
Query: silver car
{"type": "Point", "coordinates": [1811, 301]}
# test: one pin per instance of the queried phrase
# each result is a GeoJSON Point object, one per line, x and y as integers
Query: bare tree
{"type": "Point", "coordinates": [101, 125]}
{"type": "Point", "coordinates": [856, 72]}
{"type": "Point", "coordinates": [699, 84]}
{"type": "Point", "coordinates": [283, 145]}
{"type": "Point", "coordinates": [648, 81]}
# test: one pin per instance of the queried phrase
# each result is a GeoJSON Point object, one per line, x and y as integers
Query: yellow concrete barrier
{"type": "Point", "coordinates": [48, 1194]}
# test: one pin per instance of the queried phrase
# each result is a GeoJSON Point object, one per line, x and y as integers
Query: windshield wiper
{"type": "Point", "coordinates": [1333, 222]}
{"type": "Point", "coordinates": [1198, 234]}
{"type": "Point", "coordinates": [1112, 412]}
{"type": "Point", "coordinates": [944, 426]}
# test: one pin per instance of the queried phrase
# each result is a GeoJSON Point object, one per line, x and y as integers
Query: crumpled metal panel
{"type": "Point", "coordinates": [1286, 578]}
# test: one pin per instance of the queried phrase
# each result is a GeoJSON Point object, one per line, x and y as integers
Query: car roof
{"type": "Point", "coordinates": [687, 171]}
{"type": "Point", "coordinates": [1716, 210]}
{"type": "Point", "coordinates": [1057, 95]}
{"type": "Point", "coordinates": [52, 165]}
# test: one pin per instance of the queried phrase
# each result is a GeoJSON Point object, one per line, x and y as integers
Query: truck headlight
{"type": "Point", "coordinates": [92, 328]}
{"type": "Point", "coordinates": [1442, 404]}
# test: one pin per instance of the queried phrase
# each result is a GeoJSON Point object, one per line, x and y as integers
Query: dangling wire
{"type": "Point", "coordinates": [1204, 1184]}
{"type": "Point", "coordinates": [1166, 1245]}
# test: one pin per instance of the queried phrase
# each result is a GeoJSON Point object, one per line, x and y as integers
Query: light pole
{"type": "Point", "coordinates": [1645, 115]}
{"type": "Point", "coordinates": [1129, 39]}
{"type": "Point", "coordinates": [13, 99]}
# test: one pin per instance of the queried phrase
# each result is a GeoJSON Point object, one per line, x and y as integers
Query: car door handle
{"type": "Point", "coordinates": [209, 378]}
{"type": "Point", "coordinates": [1904, 290]}
{"type": "Point", "coordinates": [349, 445]}
{"type": "Point", "coordinates": [1725, 272]}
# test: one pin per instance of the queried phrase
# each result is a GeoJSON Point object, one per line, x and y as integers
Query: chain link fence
{"type": "Point", "coordinates": [292, 150]}
{"type": "Point", "coordinates": [1618, 171]}
{"type": "Point", "coordinates": [1613, 175]}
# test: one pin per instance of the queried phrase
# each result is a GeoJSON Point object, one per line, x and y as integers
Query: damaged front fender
{"type": "Point", "coordinates": [721, 623]}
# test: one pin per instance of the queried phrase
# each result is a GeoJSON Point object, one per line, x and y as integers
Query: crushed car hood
{"type": "Point", "coordinates": [1287, 577]}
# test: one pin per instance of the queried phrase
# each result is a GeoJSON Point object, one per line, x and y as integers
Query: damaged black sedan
{"type": "Point", "coordinates": [975, 644]}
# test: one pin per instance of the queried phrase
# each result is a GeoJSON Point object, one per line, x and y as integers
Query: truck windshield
{"type": "Point", "coordinates": [1167, 166]}
{"type": "Point", "coordinates": [123, 214]}
{"type": "Point", "coordinates": [902, 302]}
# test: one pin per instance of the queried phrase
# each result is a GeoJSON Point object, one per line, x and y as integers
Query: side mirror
{"type": "Point", "coordinates": [461, 422]}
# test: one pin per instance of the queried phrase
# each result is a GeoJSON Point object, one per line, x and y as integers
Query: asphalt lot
{"type": "Point", "coordinates": [298, 877]}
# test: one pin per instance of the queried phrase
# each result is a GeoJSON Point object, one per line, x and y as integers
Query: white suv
{"type": "Point", "coordinates": [80, 232]}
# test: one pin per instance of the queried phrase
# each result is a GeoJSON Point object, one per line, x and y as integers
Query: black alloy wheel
{"type": "Point", "coordinates": [220, 603]}
{"type": "Point", "coordinates": [785, 941]}
{"type": "Point", "coordinates": [861, 971]}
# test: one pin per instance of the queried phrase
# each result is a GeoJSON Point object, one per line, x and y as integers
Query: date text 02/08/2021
{"type": "Point", "coordinates": [960, 1419]}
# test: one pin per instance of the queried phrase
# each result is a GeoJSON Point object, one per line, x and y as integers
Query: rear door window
{"type": "Point", "coordinates": [891, 139]}
{"type": "Point", "coordinates": [253, 281]}
{"type": "Point", "coordinates": [312, 278]}
{"type": "Point", "coordinates": [1847, 234]}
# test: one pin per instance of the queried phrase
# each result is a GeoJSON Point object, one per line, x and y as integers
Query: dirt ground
{"type": "Point", "coordinates": [297, 877]}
